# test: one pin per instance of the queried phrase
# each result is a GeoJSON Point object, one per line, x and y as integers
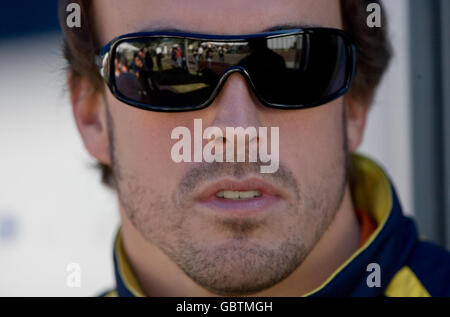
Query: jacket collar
{"type": "Point", "coordinates": [126, 282]}
{"type": "Point", "coordinates": [388, 246]}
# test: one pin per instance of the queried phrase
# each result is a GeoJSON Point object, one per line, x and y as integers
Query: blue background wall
{"type": "Point", "coordinates": [18, 18]}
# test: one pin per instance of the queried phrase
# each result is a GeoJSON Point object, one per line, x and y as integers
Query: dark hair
{"type": "Point", "coordinates": [373, 51]}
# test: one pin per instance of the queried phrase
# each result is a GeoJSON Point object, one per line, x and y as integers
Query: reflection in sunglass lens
{"type": "Point", "coordinates": [165, 72]}
{"type": "Point", "coordinates": [300, 69]}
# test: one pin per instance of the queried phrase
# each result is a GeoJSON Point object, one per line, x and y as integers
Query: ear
{"type": "Point", "coordinates": [356, 114]}
{"type": "Point", "coordinates": [89, 111]}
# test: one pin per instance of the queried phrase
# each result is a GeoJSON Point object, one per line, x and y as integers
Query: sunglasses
{"type": "Point", "coordinates": [172, 71]}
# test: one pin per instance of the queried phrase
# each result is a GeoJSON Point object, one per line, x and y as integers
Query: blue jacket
{"type": "Point", "coordinates": [394, 261]}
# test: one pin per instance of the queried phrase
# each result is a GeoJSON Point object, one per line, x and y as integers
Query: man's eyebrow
{"type": "Point", "coordinates": [279, 27]}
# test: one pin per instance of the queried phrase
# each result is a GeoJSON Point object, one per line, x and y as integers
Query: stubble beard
{"type": "Point", "coordinates": [239, 266]}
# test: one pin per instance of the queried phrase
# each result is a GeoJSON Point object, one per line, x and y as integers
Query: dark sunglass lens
{"type": "Point", "coordinates": [164, 72]}
{"type": "Point", "coordinates": [298, 70]}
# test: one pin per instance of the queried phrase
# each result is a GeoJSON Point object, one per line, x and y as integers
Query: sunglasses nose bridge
{"type": "Point", "coordinates": [228, 72]}
{"type": "Point", "coordinates": [232, 70]}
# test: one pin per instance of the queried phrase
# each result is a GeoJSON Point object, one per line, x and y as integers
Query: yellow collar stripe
{"type": "Point", "coordinates": [125, 270]}
{"type": "Point", "coordinates": [406, 284]}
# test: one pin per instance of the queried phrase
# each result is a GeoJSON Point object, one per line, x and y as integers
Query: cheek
{"type": "Point", "coordinates": [311, 146]}
{"type": "Point", "coordinates": [311, 140]}
{"type": "Point", "coordinates": [142, 147]}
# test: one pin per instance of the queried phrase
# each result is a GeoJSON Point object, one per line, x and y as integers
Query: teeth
{"type": "Point", "coordinates": [231, 194]}
{"type": "Point", "coordinates": [249, 194]}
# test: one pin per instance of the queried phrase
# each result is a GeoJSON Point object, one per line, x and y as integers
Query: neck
{"type": "Point", "coordinates": [158, 275]}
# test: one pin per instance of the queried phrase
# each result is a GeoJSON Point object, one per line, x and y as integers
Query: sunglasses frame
{"type": "Point", "coordinates": [104, 62]}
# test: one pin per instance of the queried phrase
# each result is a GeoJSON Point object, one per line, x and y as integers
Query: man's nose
{"type": "Point", "coordinates": [236, 105]}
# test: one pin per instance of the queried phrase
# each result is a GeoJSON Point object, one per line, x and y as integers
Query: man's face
{"type": "Point", "coordinates": [217, 242]}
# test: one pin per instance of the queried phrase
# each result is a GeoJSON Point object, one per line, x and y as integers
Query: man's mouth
{"type": "Point", "coordinates": [239, 198]}
{"type": "Point", "coordinates": [236, 195]}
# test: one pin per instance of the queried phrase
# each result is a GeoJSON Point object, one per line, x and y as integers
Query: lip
{"type": "Point", "coordinates": [270, 196]}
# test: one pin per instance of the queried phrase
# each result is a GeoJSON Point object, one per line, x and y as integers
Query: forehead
{"type": "Point", "coordinates": [117, 17]}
